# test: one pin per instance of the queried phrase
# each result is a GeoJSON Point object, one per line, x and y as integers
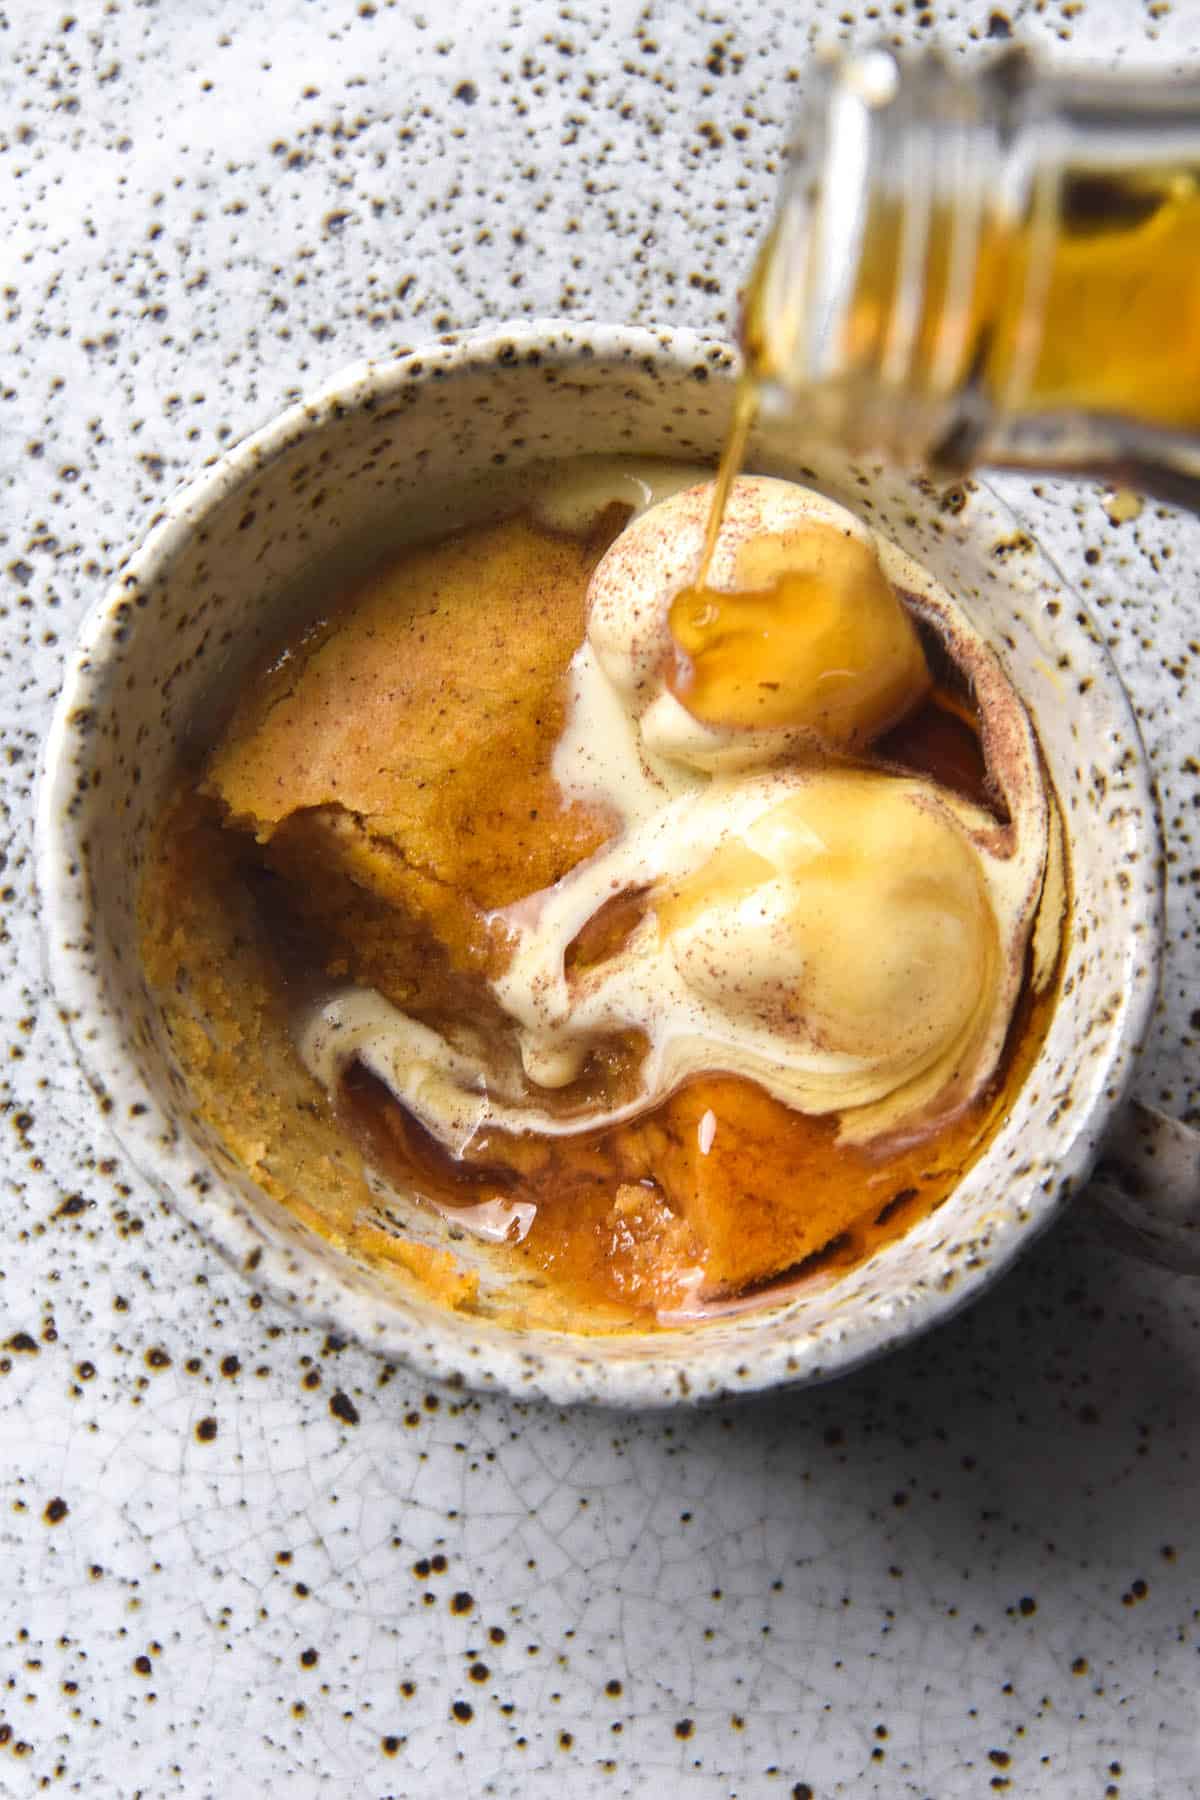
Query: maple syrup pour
{"type": "Point", "coordinates": [745, 406]}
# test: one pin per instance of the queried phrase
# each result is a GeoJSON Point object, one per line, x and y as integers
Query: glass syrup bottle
{"type": "Point", "coordinates": [994, 266]}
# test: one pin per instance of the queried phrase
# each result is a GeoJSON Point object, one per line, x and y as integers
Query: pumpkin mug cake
{"type": "Point", "coordinates": [677, 947]}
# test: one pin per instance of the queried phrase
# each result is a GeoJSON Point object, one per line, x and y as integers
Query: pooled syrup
{"type": "Point", "coordinates": [719, 1194]}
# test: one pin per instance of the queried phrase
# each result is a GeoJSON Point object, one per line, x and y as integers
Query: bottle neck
{"type": "Point", "coordinates": [995, 268]}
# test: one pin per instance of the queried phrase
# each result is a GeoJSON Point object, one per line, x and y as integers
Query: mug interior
{"type": "Point", "coordinates": [392, 451]}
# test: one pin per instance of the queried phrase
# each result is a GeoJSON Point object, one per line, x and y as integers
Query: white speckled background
{"type": "Point", "coordinates": [972, 1568]}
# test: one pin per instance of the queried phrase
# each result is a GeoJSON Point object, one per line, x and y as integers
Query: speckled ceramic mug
{"type": "Point", "coordinates": [213, 581]}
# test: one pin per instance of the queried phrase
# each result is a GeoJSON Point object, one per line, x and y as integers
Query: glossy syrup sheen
{"type": "Point", "coordinates": [721, 1192]}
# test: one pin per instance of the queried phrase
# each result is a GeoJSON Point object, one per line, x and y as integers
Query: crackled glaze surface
{"type": "Point", "coordinates": [245, 1556]}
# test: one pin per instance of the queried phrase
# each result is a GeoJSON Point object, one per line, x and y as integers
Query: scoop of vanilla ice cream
{"type": "Point", "coordinates": [798, 637]}
{"type": "Point", "coordinates": [866, 926]}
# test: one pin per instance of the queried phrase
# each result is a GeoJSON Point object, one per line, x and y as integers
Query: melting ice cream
{"type": "Point", "coordinates": [850, 938]}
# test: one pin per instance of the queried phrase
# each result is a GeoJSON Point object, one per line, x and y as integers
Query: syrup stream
{"type": "Point", "coordinates": [745, 407]}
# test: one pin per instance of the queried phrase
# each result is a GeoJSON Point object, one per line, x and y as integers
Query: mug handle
{"type": "Point", "coordinates": [1146, 1186]}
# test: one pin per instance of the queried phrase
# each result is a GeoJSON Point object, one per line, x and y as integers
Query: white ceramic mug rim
{"type": "Point", "coordinates": [559, 1368]}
